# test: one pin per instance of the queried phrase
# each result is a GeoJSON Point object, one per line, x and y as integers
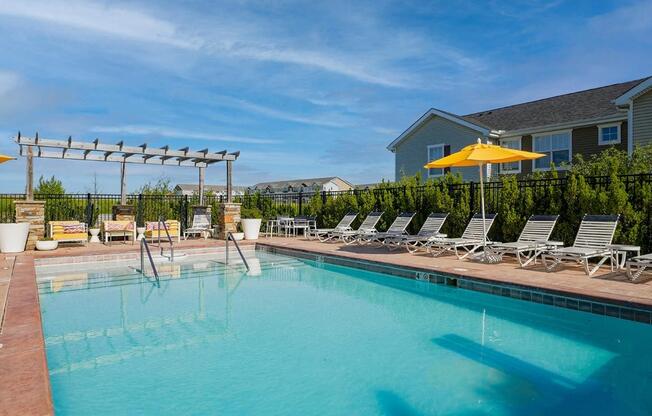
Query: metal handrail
{"type": "Point", "coordinates": [167, 232]}
{"type": "Point", "coordinates": [229, 236]}
{"type": "Point", "coordinates": [143, 244]}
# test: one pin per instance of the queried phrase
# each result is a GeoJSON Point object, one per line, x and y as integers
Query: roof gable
{"type": "Point", "coordinates": [433, 112]}
{"type": "Point", "coordinates": [634, 92]}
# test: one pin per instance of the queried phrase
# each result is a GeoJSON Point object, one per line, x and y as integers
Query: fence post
{"type": "Point", "coordinates": [472, 196]}
{"type": "Point", "coordinates": [301, 201]}
{"type": "Point", "coordinates": [140, 221]}
{"type": "Point", "coordinates": [89, 211]}
{"type": "Point", "coordinates": [323, 197]}
{"type": "Point", "coordinates": [184, 212]}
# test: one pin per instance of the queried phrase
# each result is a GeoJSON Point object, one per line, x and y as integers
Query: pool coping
{"type": "Point", "coordinates": [616, 308]}
{"type": "Point", "coordinates": [24, 377]}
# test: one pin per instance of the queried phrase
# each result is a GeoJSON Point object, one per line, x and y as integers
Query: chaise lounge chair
{"type": "Point", "coordinates": [593, 237]}
{"type": "Point", "coordinates": [324, 234]}
{"type": "Point", "coordinates": [429, 231]}
{"type": "Point", "coordinates": [368, 226]}
{"type": "Point", "coordinates": [396, 229]}
{"type": "Point", "coordinates": [532, 242]}
{"type": "Point", "coordinates": [201, 225]}
{"type": "Point", "coordinates": [637, 265]}
{"type": "Point", "coordinates": [472, 239]}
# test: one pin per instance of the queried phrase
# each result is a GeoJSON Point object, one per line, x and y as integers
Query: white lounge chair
{"type": "Point", "coordinates": [593, 237]}
{"type": "Point", "coordinates": [429, 231]}
{"type": "Point", "coordinates": [637, 265]}
{"type": "Point", "coordinates": [324, 234]}
{"type": "Point", "coordinates": [533, 241]}
{"type": "Point", "coordinates": [201, 225]}
{"type": "Point", "coordinates": [472, 239]}
{"type": "Point", "coordinates": [396, 229]}
{"type": "Point", "coordinates": [368, 226]}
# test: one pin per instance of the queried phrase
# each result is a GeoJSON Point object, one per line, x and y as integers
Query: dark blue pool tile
{"type": "Point", "coordinates": [546, 299]}
{"type": "Point", "coordinates": [537, 297]}
{"type": "Point", "coordinates": [626, 313]}
{"type": "Point", "coordinates": [526, 295]}
{"type": "Point", "coordinates": [598, 308]}
{"type": "Point", "coordinates": [642, 316]}
{"type": "Point", "coordinates": [572, 304]}
{"type": "Point", "coordinates": [612, 311]}
{"type": "Point", "coordinates": [559, 301]}
{"type": "Point", "coordinates": [584, 306]}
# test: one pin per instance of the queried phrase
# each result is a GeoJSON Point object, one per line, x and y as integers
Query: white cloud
{"type": "Point", "coordinates": [8, 82]}
{"type": "Point", "coordinates": [101, 18]}
{"type": "Point", "coordinates": [141, 130]}
{"type": "Point", "coordinates": [327, 120]}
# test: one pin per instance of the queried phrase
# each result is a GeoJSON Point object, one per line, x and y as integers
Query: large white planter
{"type": "Point", "coordinates": [251, 228]}
{"type": "Point", "coordinates": [13, 237]}
{"type": "Point", "coordinates": [42, 245]}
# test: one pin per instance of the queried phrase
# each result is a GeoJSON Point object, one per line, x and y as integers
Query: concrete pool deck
{"type": "Point", "coordinates": [24, 379]}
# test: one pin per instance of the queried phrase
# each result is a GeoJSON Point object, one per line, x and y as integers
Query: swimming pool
{"type": "Point", "coordinates": [300, 337]}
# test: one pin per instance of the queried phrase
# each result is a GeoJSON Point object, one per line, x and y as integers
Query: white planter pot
{"type": "Point", "coordinates": [47, 245]}
{"type": "Point", "coordinates": [251, 228]}
{"type": "Point", "coordinates": [13, 237]}
{"type": "Point", "coordinates": [238, 236]}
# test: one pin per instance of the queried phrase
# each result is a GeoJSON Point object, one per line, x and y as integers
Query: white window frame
{"type": "Point", "coordinates": [602, 126]}
{"type": "Point", "coordinates": [511, 139]}
{"type": "Point", "coordinates": [570, 150]}
{"type": "Point", "coordinates": [443, 150]}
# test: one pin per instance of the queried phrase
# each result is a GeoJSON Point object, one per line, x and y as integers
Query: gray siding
{"type": "Point", "coordinates": [642, 120]}
{"type": "Point", "coordinates": [412, 153]}
{"type": "Point", "coordinates": [586, 141]}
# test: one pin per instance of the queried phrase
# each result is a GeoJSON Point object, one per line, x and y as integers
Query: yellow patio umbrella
{"type": "Point", "coordinates": [4, 158]}
{"type": "Point", "coordinates": [480, 154]}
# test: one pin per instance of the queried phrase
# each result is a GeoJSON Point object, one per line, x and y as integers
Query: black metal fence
{"type": "Point", "coordinates": [549, 194]}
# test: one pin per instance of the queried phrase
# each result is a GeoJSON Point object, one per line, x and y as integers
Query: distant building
{"type": "Point", "coordinates": [218, 190]}
{"type": "Point", "coordinates": [332, 183]}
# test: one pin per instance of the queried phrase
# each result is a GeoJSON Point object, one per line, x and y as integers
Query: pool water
{"type": "Point", "coordinates": [295, 337]}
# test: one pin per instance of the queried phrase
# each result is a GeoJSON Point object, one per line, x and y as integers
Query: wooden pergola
{"type": "Point", "coordinates": [96, 151]}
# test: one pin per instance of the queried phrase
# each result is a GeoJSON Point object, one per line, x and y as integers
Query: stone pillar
{"type": "Point", "coordinates": [32, 212]}
{"type": "Point", "coordinates": [228, 219]}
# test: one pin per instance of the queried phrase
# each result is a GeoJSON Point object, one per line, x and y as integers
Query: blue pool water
{"type": "Point", "coordinates": [299, 338]}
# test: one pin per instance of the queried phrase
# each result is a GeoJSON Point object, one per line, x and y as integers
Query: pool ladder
{"type": "Point", "coordinates": [161, 223]}
{"type": "Point", "coordinates": [229, 236]}
{"type": "Point", "coordinates": [144, 249]}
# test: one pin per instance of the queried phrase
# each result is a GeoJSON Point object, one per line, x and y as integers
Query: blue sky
{"type": "Point", "coordinates": [303, 89]}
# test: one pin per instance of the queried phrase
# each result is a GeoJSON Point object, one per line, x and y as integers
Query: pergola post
{"type": "Point", "coordinates": [29, 175]}
{"type": "Point", "coordinates": [202, 176]}
{"type": "Point", "coordinates": [229, 183]}
{"type": "Point", "coordinates": [123, 184]}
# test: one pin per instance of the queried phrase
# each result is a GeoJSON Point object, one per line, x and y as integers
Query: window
{"type": "Point", "coordinates": [436, 151]}
{"type": "Point", "coordinates": [609, 134]}
{"type": "Point", "coordinates": [556, 146]}
{"type": "Point", "coordinates": [511, 143]}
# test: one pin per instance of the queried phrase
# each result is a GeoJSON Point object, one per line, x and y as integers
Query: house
{"type": "Point", "coordinates": [217, 190]}
{"type": "Point", "coordinates": [584, 122]}
{"type": "Point", "coordinates": [332, 183]}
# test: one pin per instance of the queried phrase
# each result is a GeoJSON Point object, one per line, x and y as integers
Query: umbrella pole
{"type": "Point", "coordinates": [484, 224]}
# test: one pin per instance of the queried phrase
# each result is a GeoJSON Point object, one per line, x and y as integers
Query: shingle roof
{"type": "Point", "coordinates": [207, 188]}
{"type": "Point", "coordinates": [295, 183]}
{"type": "Point", "coordinates": [576, 106]}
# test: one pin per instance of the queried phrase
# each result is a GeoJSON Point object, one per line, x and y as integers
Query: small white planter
{"type": "Point", "coordinates": [47, 245]}
{"type": "Point", "coordinates": [13, 237]}
{"type": "Point", "coordinates": [238, 236]}
{"type": "Point", "coordinates": [251, 228]}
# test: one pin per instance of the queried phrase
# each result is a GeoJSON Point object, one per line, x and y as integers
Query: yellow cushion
{"type": "Point", "coordinates": [70, 236]}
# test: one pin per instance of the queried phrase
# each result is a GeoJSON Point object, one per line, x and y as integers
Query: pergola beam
{"type": "Point", "coordinates": [120, 147]}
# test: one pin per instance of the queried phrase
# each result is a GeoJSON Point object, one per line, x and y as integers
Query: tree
{"type": "Point", "coordinates": [51, 186]}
